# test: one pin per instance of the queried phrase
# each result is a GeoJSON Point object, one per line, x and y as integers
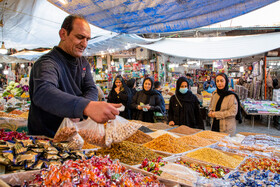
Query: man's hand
{"type": "Point", "coordinates": [171, 123]}
{"type": "Point", "coordinates": [101, 112]}
{"type": "Point", "coordinates": [139, 107]}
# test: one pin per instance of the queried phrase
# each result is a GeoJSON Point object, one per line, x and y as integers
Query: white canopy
{"type": "Point", "coordinates": [217, 47]}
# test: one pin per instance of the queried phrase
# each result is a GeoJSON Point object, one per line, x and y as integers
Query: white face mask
{"type": "Point", "coordinates": [183, 90]}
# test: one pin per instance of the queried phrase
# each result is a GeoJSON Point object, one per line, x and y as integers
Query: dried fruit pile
{"type": "Point", "coordinates": [207, 171]}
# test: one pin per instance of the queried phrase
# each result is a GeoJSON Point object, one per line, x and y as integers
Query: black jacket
{"type": "Point", "coordinates": [60, 86]}
{"type": "Point", "coordinates": [162, 103]}
{"type": "Point", "coordinates": [188, 114]}
{"type": "Point", "coordinates": [154, 102]}
{"type": "Point", "coordinates": [122, 97]}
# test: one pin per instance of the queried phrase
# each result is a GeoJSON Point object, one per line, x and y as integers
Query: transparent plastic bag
{"type": "Point", "coordinates": [92, 132]}
{"type": "Point", "coordinates": [119, 130]}
{"type": "Point", "coordinates": [68, 132]}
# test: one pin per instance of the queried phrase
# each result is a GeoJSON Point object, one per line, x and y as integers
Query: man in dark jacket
{"type": "Point", "coordinates": [61, 84]}
{"type": "Point", "coordinates": [157, 86]}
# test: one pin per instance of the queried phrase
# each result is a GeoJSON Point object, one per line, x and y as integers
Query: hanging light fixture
{"type": "Point", "coordinates": [3, 49]}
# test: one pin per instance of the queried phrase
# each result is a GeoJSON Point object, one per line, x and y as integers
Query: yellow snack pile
{"type": "Point", "coordinates": [216, 157]}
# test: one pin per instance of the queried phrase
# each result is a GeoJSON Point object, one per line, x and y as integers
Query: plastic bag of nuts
{"type": "Point", "coordinates": [68, 132]}
{"type": "Point", "coordinates": [119, 130]}
{"type": "Point", "coordinates": [92, 132]}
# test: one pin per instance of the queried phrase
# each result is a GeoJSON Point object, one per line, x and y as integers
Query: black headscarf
{"type": "Point", "coordinates": [225, 92]}
{"type": "Point", "coordinates": [151, 91]}
{"type": "Point", "coordinates": [188, 96]}
{"type": "Point", "coordinates": [119, 77]}
{"type": "Point", "coordinates": [130, 83]}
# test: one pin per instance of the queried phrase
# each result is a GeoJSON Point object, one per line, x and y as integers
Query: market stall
{"type": "Point", "coordinates": [260, 108]}
{"type": "Point", "coordinates": [175, 156]}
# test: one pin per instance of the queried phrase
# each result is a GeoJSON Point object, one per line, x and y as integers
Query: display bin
{"type": "Point", "coordinates": [13, 124]}
{"type": "Point", "coordinates": [17, 179]}
{"type": "Point", "coordinates": [197, 160]}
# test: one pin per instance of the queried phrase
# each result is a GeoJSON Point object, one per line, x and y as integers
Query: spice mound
{"type": "Point", "coordinates": [162, 132]}
{"type": "Point", "coordinates": [140, 138]}
{"type": "Point", "coordinates": [183, 129]}
{"type": "Point", "coordinates": [167, 143]}
{"type": "Point", "coordinates": [216, 157]}
{"type": "Point", "coordinates": [194, 140]}
{"type": "Point", "coordinates": [128, 152]}
{"type": "Point", "coordinates": [211, 135]}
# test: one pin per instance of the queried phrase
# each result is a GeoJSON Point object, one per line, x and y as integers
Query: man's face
{"type": "Point", "coordinates": [76, 42]}
{"type": "Point", "coordinates": [208, 78]}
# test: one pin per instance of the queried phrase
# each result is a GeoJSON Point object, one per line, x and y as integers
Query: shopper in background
{"type": "Point", "coordinates": [269, 85]}
{"type": "Point", "coordinates": [184, 107]}
{"type": "Point", "coordinates": [209, 85]}
{"type": "Point", "coordinates": [120, 93]}
{"type": "Point", "coordinates": [224, 107]}
{"type": "Point", "coordinates": [146, 102]}
{"type": "Point", "coordinates": [101, 96]}
{"type": "Point", "coordinates": [190, 81]}
{"type": "Point", "coordinates": [275, 82]}
{"type": "Point", "coordinates": [242, 80]}
{"type": "Point", "coordinates": [158, 88]}
{"type": "Point", "coordinates": [61, 84]}
{"type": "Point", "coordinates": [131, 84]}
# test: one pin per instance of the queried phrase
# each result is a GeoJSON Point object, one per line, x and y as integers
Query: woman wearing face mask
{"type": "Point", "coordinates": [184, 107]}
{"type": "Point", "coordinates": [120, 93]}
{"type": "Point", "coordinates": [146, 102]}
{"type": "Point", "coordinates": [224, 107]}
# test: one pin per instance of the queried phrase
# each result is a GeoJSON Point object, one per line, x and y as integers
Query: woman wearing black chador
{"type": "Point", "coordinates": [120, 93]}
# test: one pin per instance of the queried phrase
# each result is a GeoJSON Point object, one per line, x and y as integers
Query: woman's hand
{"type": "Point", "coordinates": [171, 123]}
{"type": "Point", "coordinates": [139, 107]}
{"type": "Point", "coordinates": [211, 114]}
{"type": "Point", "coordinates": [117, 90]}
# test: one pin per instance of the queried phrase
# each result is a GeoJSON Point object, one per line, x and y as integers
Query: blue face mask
{"type": "Point", "coordinates": [183, 90]}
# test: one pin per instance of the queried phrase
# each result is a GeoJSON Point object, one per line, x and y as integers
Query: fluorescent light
{"type": "Point", "coordinates": [22, 65]}
{"type": "Point", "coordinates": [64, 2]}
{"type": "Point", "coordinates": [5, 72]}
{"type": "Point", "coordinates": [1, 65]}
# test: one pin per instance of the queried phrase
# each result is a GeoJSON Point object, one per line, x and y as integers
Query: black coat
{"type": "Point", "coordinates": [162, 103]}
{"type": "Point", "coordinates": [188, 114]}
{"type": "Point", "coordinates": [122, 97]}
{"type": "Point", "coordinates": [154, 102]}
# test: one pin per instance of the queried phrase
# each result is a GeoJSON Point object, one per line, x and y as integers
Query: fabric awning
{"type": "Point", "coordinates": [150, 16]}
{"type": "Point", "coordinates": [217, 47]}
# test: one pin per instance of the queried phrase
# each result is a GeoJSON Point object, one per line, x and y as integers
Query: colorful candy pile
{"type": "Point", "coordinates": [254, 178]}
{"type": "Point", "coordinates": [265, 164]}
{"type": "Point", "coordinates": [207, 171]}
{"type": "Point", "coordinates": [11, 135]}
{"type": "Point", "coordinates": [97, 171]}
{"type": "Point", "coordinates": [153, 166]}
